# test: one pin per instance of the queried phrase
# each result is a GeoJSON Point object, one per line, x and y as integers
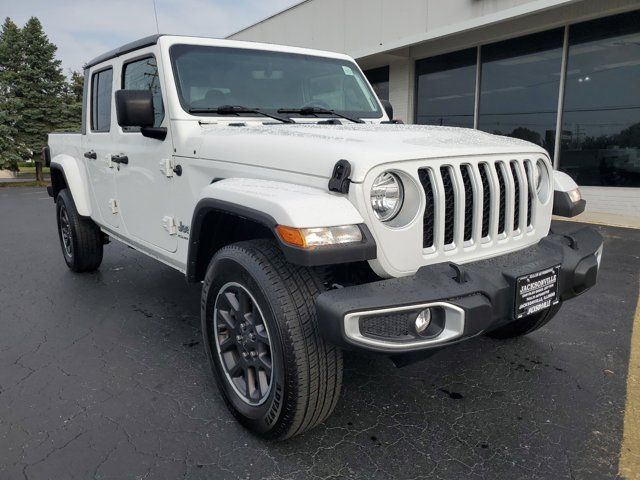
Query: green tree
{"type": "Point", "coordinates": [11, 62]}
{"type": "Point", "coordinates": [524, 133]}
{"type": "Point", "coordinates": [630, 137]}
{"type": "Point", "coordinates": [71, 117]}
{"type": "Point", "coordinates": [41, 87]}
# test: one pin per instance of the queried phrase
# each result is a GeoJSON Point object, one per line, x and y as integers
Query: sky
{"type": "Point", "coordinates": [84, 29]}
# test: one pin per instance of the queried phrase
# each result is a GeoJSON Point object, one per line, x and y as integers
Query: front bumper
{"type": "Point", "coordinates": [475, 298]}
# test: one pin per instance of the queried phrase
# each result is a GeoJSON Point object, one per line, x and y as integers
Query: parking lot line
{"type": "Point", "coordinates": [629, 466]}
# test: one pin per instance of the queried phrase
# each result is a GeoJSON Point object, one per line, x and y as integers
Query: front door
{"type": "Point", "coordinates": [97, 145]}
{"type": "Point", "coordinates": [144, 184]}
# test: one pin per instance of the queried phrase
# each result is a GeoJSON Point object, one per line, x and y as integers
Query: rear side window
{"type": "Point", "coordinates": [101, 88]}
{"type": "Point", "coordinates": [142, 74]}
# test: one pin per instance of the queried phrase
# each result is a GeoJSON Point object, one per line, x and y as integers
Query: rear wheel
{"type": "Point", "coordinates": [80, 237]}
{"type": "Point", "coordinates": [524, 326]}
{"type": "Point", "coordinates": [276, 373]}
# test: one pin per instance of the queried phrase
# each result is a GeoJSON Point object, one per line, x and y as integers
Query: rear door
{"type": "Point", "coordinates": [144, 184]}
{"type": "Point", "coordinates": [97, 145]}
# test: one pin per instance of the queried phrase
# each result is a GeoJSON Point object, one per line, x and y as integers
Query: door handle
{"type": "Point", "coordinates": [120, 159]}
{"type": "Point", "coordinates": [90, 155]}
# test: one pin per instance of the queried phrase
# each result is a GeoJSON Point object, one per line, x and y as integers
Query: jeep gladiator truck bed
{"type": "Point", "coordinates": [275, 177]}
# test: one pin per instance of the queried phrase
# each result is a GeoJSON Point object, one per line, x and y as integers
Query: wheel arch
{"type": "Point", "coordinates": [67, 173]}
{"type": "Point", "coordinates": [58, 181]}
{"type": "Point", "coordinates": [206, 236]}
{"type": "Point", "coordinates": [238, 209]}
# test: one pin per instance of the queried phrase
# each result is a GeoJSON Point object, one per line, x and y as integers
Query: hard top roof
{"type": "Point", "coordinates": [153, 40]}
{"type": "Point", "coordinates": [129, 47]}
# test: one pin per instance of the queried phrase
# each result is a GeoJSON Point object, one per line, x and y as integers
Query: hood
{"type": "Point", "coordinates": [314, 149]}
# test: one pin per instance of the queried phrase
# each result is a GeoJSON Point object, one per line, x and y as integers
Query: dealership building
{"type": "Point", "coordinates": [564, 74]}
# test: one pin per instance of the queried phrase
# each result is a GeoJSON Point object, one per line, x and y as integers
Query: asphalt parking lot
{"type": "Point", "coordinates": [103, 376]}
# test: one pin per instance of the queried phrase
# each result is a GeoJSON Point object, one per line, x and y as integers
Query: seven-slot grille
{"type": "Point", "coordinates": [472, 202]}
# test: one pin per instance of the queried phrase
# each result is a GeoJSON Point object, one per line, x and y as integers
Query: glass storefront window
{"type": "Point", "coordinates": [600, 143]}
{"type": "Point", "coordinates": [379, 80]}
{"type": "Point", "coordinates": [445, 89]}
{"type": "Point", "coordinates": [520, 85]}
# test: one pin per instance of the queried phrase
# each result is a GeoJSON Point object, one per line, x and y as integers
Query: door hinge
{"type": "Point", "coordinates": [166, 167]}
{"type": "Point", "coordinates": [113, 204]}
{"type": "Point", "coordinates": [169, 224]}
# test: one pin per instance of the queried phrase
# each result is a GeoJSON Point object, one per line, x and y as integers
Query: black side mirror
{"type": "Point", "coordinates": [134, 108]}
{"type": "Point", "coordinates": [388, 108]}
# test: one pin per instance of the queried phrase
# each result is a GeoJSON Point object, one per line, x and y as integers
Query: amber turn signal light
{"type": "Point", "coordinates": [320, 236]}
{"type": "Point", "coordinates": [291, 236]}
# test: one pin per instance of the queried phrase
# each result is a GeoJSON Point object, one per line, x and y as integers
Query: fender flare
{"type": "Point", "coordinates": [563, 182]}
{"type": "Point", "coordinates": [271, 204]}
{"type": "Point", "coordinates": [76, 179]}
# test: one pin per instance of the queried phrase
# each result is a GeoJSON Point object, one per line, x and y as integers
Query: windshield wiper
{"type": "Point", "coordinates": [318, 111]}
{"type": "Point", "coordinates": [238, 110]}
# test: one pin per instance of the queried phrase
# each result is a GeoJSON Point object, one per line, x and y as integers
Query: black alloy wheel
{"type": "Point", "coordinates": [66, 232]}
{"type": "Point", "coordinates": [242, 343]}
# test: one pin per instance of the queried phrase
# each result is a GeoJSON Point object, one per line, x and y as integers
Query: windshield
{"type": "Point", "coordinates": [211, 77]}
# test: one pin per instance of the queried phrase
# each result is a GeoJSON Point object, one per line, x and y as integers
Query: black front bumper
{"type": "Point", "coordinates": [483, 290]}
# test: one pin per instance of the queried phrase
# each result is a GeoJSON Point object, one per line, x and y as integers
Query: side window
{"type": "Point", "coordinates": [101, 87]}
{"type": "Point", "coordinates": [142, 74]}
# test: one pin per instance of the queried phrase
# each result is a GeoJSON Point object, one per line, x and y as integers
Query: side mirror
{"type": "Point", "coordinates": [134, 108]}
{"type": "Point", "coordinates": [388, 108]}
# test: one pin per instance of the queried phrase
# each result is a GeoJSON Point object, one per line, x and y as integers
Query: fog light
{"type": "Point", "coordinates": [423, 320]}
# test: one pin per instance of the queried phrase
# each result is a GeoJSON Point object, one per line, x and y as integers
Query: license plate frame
{"type": "Point", "coordinates": [536, 292]}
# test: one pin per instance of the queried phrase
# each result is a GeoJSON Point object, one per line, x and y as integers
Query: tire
{"type": "Point", "coordinates": [525, 326]}
{"type": "Point", "coordinates": [305, 379]}
{"type": "Point", "coordinates": [80, 237]}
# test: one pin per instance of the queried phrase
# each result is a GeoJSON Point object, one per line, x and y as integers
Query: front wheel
{"type": "Point", "coordinates": [277, 374]}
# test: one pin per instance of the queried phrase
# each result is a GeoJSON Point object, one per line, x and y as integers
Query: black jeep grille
{"type": "Point", "coordinates": [516, 184]}
{"type": "Point", "coordinates": [446, 185]}
{"type": "Point", "coordinates": [486, 199]}
{"type": "Point", "coordinates": [449, 204]}
{"type": "Point", "coordinates": [465, 170]}
{"type": "Point", "coordinates": [503, 198]}
{"type": "Point", "coordinates": [428, 220]}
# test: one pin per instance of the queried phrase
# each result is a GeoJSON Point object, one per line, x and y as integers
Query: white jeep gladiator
{"type": "Point", "coordinates": [316, 223]}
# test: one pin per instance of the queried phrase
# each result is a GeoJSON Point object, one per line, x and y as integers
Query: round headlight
{"type": "Point", "coordinates": [538, 178]}
{"type": "Point", "coordinates": [543, 180]}
{"type": "Point", "coordinates": [387, 195]}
